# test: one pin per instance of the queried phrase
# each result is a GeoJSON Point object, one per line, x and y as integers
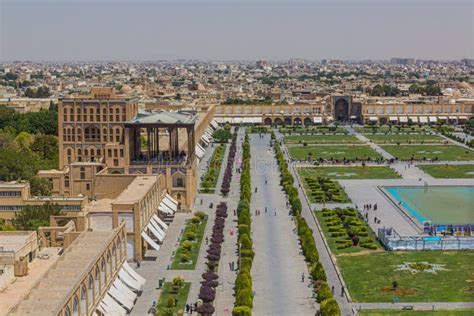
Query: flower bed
{"type": "Point", "coordinates": [322, 189]}
{"type": "Point", "coordinates": [173, 297]}
{"type": "Point", "coordinates": [225, 186]}
{"type": "Point", "coordinates": [190, 243]}
{"type": "Point", "coordinates": [346, 231]}
{"type": "Point", "coordinates": [324, 296]}
{"type": "Point", "coordinates": [209, 180]}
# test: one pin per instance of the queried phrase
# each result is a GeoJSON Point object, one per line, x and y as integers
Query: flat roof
{"type": "Point", "coordinates": [164, 117]}
{"type": "Point", "coordinates": [15, 240]}
{"type": "Point", "coordinates": [52, 291]}
{"type": "Point", "coordinates": [136, 190]}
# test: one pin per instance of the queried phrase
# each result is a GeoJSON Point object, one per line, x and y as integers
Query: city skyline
{"type": "Point", "coordinates": [217, 30]}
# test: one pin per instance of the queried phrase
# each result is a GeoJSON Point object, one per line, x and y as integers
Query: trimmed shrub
{"type": "Point", "coordinates": [242, 311]}
{"type": "Point", "coordinates": [244, 298]}
{"type": "Point", "coordinates": [324, 292]}
{"type": "Point", "coordinates": [187, 245]}
{"type": "Point", "coordinates": [329, 307]}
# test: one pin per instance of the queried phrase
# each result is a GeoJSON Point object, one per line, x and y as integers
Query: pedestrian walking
{"type": "Point", "coordinates": [302, 277]}
{"type": "Point", "coordinates": [332, 290]}
{"type": "Point", "coordinates": [265, 209]}
{"type": "Point", "coordinates": [342, 291]}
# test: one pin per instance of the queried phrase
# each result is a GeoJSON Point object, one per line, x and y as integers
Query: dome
{"type": "Point", "coordinates": [126, 89]}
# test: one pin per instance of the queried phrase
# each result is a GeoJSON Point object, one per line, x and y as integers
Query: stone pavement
{"type": "Point", "coordinates": [278, 264]}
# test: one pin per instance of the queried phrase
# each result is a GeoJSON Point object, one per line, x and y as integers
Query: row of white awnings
{"type": "Point", "coordinates": [156, 231]}
{"type": "Point", "coordinates": [168, 205]}
{"type": "Point", "coordinates": [421, 119]}
{"type": "Point", "coordinates": [214, 124]}
{"type": "Point", "coordinates": [120, 297]}
{"type": "Point", "coordinates": [239, 120]}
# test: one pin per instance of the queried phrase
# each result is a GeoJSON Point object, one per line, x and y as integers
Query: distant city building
{"type": "Point", "coordinates": [403, 61]}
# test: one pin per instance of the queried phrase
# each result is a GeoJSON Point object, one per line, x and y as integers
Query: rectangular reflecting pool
{"type": "Point", "coordinates": [440, 205]}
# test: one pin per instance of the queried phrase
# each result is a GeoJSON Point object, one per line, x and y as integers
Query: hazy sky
{"type": "Point", "coordinates": [235, 30]}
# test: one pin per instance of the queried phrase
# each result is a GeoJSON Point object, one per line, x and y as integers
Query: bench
{"type": "Point", "coordinates": [407, 308]}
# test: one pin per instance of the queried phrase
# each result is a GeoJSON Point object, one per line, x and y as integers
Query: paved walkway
{"type": "Point", "coordinates": [416, 306]}
{"type": "Point", "coordinates": [278, 264]}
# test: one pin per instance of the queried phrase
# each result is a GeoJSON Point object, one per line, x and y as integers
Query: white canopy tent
{"type": "Point", "coordinates": [432, 119]}
{"type": "Point", "coordinates": [414, 119]}
{"type": "Point", "coordinates": [423, 119]}
{"type": "Point", "coordinates": [219, 120]}
{"type": "Point", "coordinates": [373, 118]}
{"type": "Point", "coordinates": [318, 120]}
{"type": "Point", "coordinates": [403, 119]}
{"type": "Point", "coordinates": [159, 222]}
{"type": "Point", "coordinates": [393, 118]}
{"type": "Point", "coordinates": [133, 274]}
{"type": "Point", "coordinates": [150, 241]}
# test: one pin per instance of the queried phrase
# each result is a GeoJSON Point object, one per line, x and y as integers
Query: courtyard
{"type": "Point", "coordinates": [343, 172]}
{"type": "Point", "coordinates": [447, 171]}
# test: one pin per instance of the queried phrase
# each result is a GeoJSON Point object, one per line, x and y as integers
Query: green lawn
{"type": "Point", "coordinates": [181, 298]}
{"type": "Point", "coordinates": [369, 277]}
{"type": "Point", "coordinates": [449, 171]}
{"type": "Point", "coordinates": [401, 138]}
{"type": "Point", "coordinates": [335, 242]}
{"type": "Point", "coordinates": [320, 139]}
{"type": "Point", "coordinates": [177, 263]}
{"type": "Point", "coordinates": [389, 312]}
{"type": "Point", "coordinates": [361, 152]}
{"type": "Point", "coordinates": [443, 153]}
{"type": "Point", "coordinates": [381, 172]}
{"type": "Point", "coordinates": [209, 181]}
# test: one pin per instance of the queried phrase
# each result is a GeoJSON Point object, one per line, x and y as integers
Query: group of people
{"type": "Point", "coordinates": [368, 207]}
{"type": "Point", "coordinates": [190, 308]}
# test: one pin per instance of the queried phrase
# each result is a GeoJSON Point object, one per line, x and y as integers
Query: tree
{"type": "Point", "coordinates": [324, 292]}
{"type": "Point", "coordinates": [45, 145]}
{"type": "Point", "coordinates": [40, 186]}
{"type": "Point", "coordinates": [24, 141]}
{"type": "Point", "coordinates": [31, 217]}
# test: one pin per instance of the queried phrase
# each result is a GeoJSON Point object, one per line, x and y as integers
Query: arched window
{"type": "Point", "coordinates": [92, 152]}
{"type": "Point", "coordinates": [109, 261]}
{"type": "Point", "coordinates": [69, 155]}
{"type": "Point", "coordinates": [67, 311]}
{"type": "Point", "coordinates": [114, 256]}
{"type": "Point", "coordinates": [91, 115]}
{"type": "Point", "coordinates": [83, 300]}
{"type": "Point", "coordinates": [90, 290]}
{"type": "Point", "coordinates": [96, 283]}
{"type": "Point", "coordinates": [75, 306]}
{"type": "Point", "coordinates": [66, 181]}
{"type": "Point", "coordinates": [64, 134]}
{"type": "Point", "coordinates": [124, 116]}
{"type": "Point", "coordinates": [97, 114]}
{"type": "Point", "coordinates": [71, 114]}
{"type": "Point", "coordinates": [104, 134]}
{"type": "Point", "coordinates": [82, 171]}
{"type": "Point", "coordinates": [102, 271]}
{"type": "Point", "coordinates": [117, 134]}
{"type": "Point", "coordinates": [79, 134]}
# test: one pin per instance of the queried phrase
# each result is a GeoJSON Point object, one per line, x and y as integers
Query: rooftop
{"type": "Point", "coordinates": [165, 117]}
{"type": "Point", "coordinates": [136, 190]}
{"type": "Point", "coordinates": [50, 293]}
{"type": "Point", "coordinates": [15, 240]}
